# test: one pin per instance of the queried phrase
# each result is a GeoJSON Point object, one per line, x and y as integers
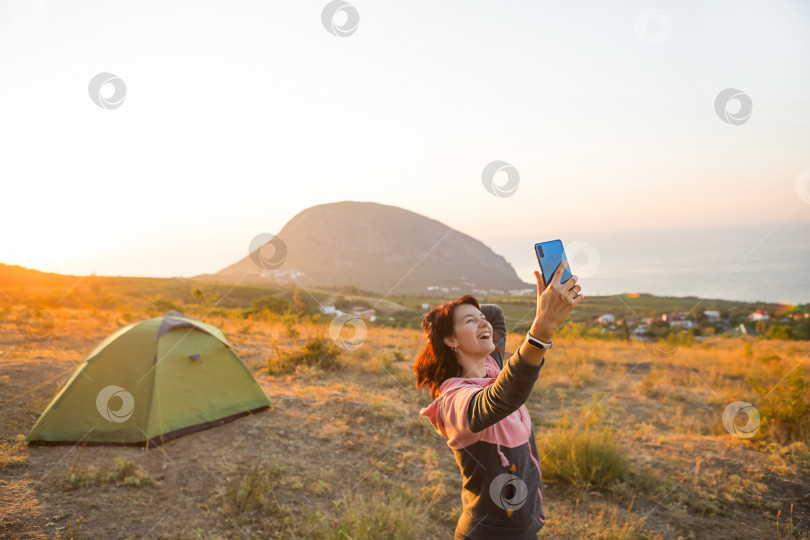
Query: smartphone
{"type": "Point", "coordinates": [550, 255]}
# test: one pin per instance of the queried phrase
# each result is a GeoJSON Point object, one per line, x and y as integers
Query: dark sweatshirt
{"type": "Point", "coordinates": [488, 427]}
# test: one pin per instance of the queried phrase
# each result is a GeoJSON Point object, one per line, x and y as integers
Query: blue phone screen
{"type": "Point", "coordinates": [550, 254]}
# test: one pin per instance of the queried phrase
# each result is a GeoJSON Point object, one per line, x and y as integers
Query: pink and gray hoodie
{"type": "Point", "coordinates": [488, 427]}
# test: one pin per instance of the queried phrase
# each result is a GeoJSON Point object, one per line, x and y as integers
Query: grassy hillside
{"type": "Point", "coordinates": [632, 444]}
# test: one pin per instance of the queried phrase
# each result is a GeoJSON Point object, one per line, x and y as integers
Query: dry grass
{"type": "Point", "coordinates": [632, 444]}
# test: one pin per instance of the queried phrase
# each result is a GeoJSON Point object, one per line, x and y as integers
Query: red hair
{"type": "Point", "coordinates": [436, 362]}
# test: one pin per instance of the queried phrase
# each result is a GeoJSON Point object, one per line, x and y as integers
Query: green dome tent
{"type": "Point", "coordinates": [150, 382]}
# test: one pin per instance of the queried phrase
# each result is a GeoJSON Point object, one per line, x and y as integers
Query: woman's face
{"type": "Point", "coordinates": [473, 338]}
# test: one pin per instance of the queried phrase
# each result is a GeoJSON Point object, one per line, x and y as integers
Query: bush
{"type": "Point", "coordinates": [219, 312]}
{"type": "Point", "coordinates": [305, 304]}
{"type": "Point", "coordinates": [72, 531]}
{"type": "Point", "coordinates": [273, 304]}
{"type": "Point", "coordinates": [801, 329]}
{"type": "Point", "coordinates": [316, 351]}
{"type": "Point", "coordinates": [253, 490]}
{"type": "Point", "coordinates": [590, 457]}
{"type": "Point", "coordinates": [164, 304]}
{"type": "Point", "coordinates": [587, 454]}
{"type": "Point", "coordinates": [796, 454]}
{"type": "Point", "coordinates": [289, 321]}
{"type": "Point", "coordinates": [125, 473]}
{"type": "Point", "coordinates": [785, 412]}
{"type": "Point", "coordinates": [780, 331]}
{"type": "Point", "coordinates": [573, 330]}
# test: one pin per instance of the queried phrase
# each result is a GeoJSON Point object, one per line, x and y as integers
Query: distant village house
{"type": "Point", "coordinates": [712, 315]}
{"type": "Point", "coordinates": [676, 319]}
{"type": "Point", "coordinates": [759, 315]}
{"type": "Point", "coordinates": [360, 311]}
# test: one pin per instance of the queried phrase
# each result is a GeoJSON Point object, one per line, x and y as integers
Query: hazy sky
{"type": "Point", "coordinates": [239, 115]}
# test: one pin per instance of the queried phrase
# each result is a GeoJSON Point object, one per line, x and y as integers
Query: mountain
{"type": "Point", "coordinates": [379, 248]}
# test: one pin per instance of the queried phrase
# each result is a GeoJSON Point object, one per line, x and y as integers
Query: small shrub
{"type": "Point", "coordinates": [647, 385]}
{"type": "Point", "coordinates": [272, 304]}
{"type": "Point", "coordinates": [289, 321]}
{"type": "Point", "coordinates": [587, 454]}
{"type": "Point", "coordinates": [79, 478]}
{"type": "Point", "coordinates": [253, 490]}
{"type": "Point", "coordinates": [73, 531]}
{"type": "Point", "coordinates": [124, 473]}
{"type": "Point", "coordinates": [219, 312]}
{"type": "Point", "coordinates": [388, 360]}
{"type": "Point", "coordinates": [316, 351]}
{"type": "Point", "coordinates": [796, 454]}
{"type": "Point", "coordinates": [163, 305]}
{"type": "Point", "coordinates": [378, 363]}
{"type": "Point", "coordinates": [769, 358]}
{"type": "Point", "coordinates": [785, 412]}
{"type": "Point", "coordinates": [590, 457]}
{"type": "Point", "coordinates": [780, 331]}
{"type": "Point", "coordinates": [573, 330]}
{"type": "Point", "coordinates": [127, 472]}
{"type": "Point", "coordinates": [11, 455]}
{"type": "Point", "coordinates": [799, 454]}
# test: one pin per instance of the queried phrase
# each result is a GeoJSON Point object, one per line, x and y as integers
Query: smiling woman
{"type": "Point", "coordinates": [478, 405]}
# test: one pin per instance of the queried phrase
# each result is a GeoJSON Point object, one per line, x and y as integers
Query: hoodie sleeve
{"type": "Point", "coordinates": [503, 397]}
{"type": "Point", "coordinates": [494, 315]}
{"type": "Point", "coordinates": [454, 418]}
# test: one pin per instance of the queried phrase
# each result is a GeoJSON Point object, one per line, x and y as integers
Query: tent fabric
{"type": "Point", "coordinates": [148, 383]}
{"type": "Point", "coordinates": [178, 320]}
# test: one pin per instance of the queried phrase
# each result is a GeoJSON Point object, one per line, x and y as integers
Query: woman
{"type": "Point", "coordinates": [479, 406]}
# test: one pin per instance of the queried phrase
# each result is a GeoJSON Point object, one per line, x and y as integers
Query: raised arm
{"type": "Point", "coordinates": [494, 315]}
{"type": "Point", "coordinates": [514, 384]}
{"type": "Point", "coordinates": [503, 397]}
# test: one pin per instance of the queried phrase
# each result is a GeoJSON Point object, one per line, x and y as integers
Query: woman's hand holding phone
{"type": "Point", "coordinates": [555, 302]}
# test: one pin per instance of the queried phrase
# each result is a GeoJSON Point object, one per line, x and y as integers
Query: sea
{"type": "Point", "coordinates": [768, 262]}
